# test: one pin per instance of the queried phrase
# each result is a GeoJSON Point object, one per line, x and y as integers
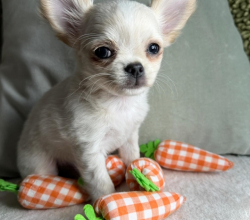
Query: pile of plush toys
{"type": "Point", "coordinates": [144, 178]}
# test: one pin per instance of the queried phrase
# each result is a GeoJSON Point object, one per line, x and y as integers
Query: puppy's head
{"type": "Point", "coordinates": [119, 44]}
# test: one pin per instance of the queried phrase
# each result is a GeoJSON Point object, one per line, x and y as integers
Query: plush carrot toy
{"type": "Point", "coordinates": [179, 156]}
{"type": "Point", "coordinates": [134, 206]}
{"type": "Point", "coordinates": [141, 170]}
{"type": "Point", "coordinates": [116, 169]}
{"type": "Point", "coordinates": [46, 192]}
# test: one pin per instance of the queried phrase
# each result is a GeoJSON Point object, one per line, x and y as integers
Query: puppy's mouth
{"type": "Point", "coordinates": [135, 82]}
{"type": "Point", "coordinates": [126, 85]}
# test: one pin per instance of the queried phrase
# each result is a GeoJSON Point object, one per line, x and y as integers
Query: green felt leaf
{"type": "Point", "coordinates": [7, 186]}
{"type": "Point", "coordinates": [79, 217]}
{"type": "Point", "coordinates": [80, 181]}
{"type": "Point", "coordinates": [143, 181]}
{"type": "Point", "coordinates": [149, 148]}
{"type": "Point", "coordinates": [156, 143]}
{"type": "Point", "coordinates": [89, 212]}
{"type": "Point", "coordinates": [143, 148]}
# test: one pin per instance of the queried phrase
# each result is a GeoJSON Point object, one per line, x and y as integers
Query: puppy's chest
{"type": "Point", "coordinates": [120, 122]}
{"type": "Point", "coordinates": [109, 125]}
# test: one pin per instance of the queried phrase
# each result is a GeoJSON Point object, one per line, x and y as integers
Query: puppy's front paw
{"type": "Point", "coordinates": [129, 155]}
{"type": "Point", "coordinates": [100, 190]}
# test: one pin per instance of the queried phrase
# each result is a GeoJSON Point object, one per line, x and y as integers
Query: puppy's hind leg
{"type": "Point", "coordinates": [35, 162]}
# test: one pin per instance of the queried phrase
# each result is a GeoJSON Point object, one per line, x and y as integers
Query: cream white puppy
{"type": "Point", "coordinates": [99, 109]}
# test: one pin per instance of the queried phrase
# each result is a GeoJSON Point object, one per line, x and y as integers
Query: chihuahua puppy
{"type": "Point", "coordinates": [99, 109]}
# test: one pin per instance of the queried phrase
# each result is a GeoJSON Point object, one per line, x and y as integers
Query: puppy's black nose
{"type": "Point", "coordinates": [135, 69]}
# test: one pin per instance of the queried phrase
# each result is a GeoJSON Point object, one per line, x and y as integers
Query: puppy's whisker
{"type": "Point", "coordinates": [157, 87]}
{"type": "Point", "coordinates": [174, 85]}
{"type": "Point", "coordinates": [86, 78]}
{"type": "Point", "coordinates": [93, 76]}
{"type": "Point", "coordinates": [167, 78]}
{"type": "Point", "coordinates": [109, 82]}
{"type": "Point", "coordinates": [93, 86]}
{"type": "Point", "coordinates": [163, 74]}
{"type": "Point", "coordinates": [162, 88]}
{"type": "Point", "coordinates": [90, 78]}
{"type": "Point", "coordinates": [168, 85]}
{"type": "Point", "coordinates": [84, 91]}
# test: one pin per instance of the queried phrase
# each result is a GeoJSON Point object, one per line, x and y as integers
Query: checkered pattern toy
{"type": "Point", "coordinates": [134, 206]}
{"type": "Point", "coordinates": [150, 169]}
{"type": "Point", "coordinates": [116, 169]}
{"type": "Point", "coordinates": [179, 156]}
{"type": "Point", "coordinates": [46, 192]}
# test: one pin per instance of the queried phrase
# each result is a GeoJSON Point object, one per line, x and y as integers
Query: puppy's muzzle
{"type": "Point", "coordinates": [135, 76]}
{"type": "Point", "coordinates": [135, 70]}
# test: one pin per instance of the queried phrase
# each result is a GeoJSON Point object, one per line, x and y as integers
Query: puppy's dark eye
{"type": "Point", "coordinates": [103, 52]}
{"type": "Point", "coordinates": [153, 49]}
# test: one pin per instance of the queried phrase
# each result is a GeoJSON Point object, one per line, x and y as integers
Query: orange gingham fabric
{"type": "Point", "coordinates": [116, 169]}
{"type": "Point", "coordinates": [46, 192]}
{"type": "Point", "coordinates": [179, 156]}
{"type": "Point", "coordinates": [138, 205]}
{"type": "Point", "coordinates": [150, 169]}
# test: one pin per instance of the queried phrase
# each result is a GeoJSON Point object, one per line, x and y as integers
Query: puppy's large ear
{"type": "Point", "coordinates": [65, 17]}
{"type": "Point", "coordinates": [172, 16]}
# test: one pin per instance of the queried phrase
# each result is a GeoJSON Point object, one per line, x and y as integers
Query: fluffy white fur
{"type": "Point", "coordinates": [95, 112]}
